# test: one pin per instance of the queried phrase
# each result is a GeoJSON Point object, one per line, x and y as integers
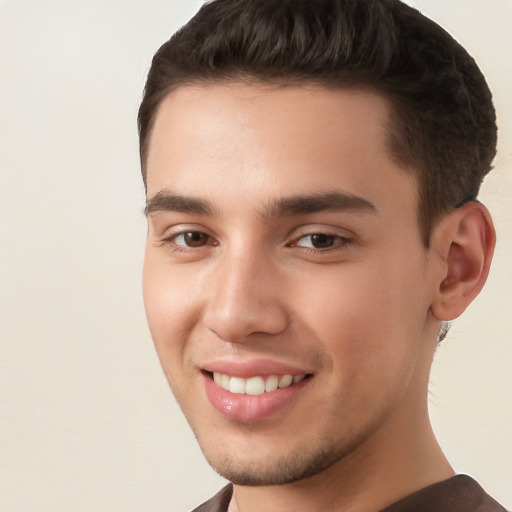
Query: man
{"type": "Point", "coordinates": [311, 169]}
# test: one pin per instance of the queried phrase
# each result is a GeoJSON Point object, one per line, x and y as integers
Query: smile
{"type": "Point", "coordinates": [255, 397]}
{"type": "Point", "coordinates": [255, 385]}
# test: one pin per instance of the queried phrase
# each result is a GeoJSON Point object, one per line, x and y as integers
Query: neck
{"type": "Point", "coordinates": [401, 457]}
{"type": "Point", "coordinates": [368, 480]}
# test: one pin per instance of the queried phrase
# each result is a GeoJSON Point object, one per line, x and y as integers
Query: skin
{"type": "Point", "coordinates": [358, 312]}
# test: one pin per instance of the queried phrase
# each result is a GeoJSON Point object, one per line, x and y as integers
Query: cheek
{"type": "Point", "coordinates": [367, 315]}
{"type": "Point", "coordinates": [169, 301]}
{"type": "Point", "coordinates": [171, 310]}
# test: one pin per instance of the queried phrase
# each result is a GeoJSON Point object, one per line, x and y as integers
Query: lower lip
{"type": "Point", "coordinates": [250, 408]}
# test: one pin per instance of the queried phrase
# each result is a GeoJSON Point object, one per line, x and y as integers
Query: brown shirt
{"type": "Point", "coordinates": [458, 494]}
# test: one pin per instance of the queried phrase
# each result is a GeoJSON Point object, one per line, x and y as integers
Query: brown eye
{"type": "Point", "coordinates": [322, 241]}
{"type": "Point", "coordinates": [192, 239]}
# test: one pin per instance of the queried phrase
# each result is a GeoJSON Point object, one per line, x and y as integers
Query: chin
{"type": "Point", "coordinates": [272, 469]}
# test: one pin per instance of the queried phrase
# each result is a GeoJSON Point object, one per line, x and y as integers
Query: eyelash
{"type": "Point", "coordinates": [171, 241]}
{"type": "Point", "coordinates": [340, 242]}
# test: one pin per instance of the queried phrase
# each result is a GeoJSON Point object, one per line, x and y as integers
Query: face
{"type": "Point", "coordinates": [285, 282]}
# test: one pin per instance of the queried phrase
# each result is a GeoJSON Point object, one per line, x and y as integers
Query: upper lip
{"type": "Point", "coordinates": [253, 368]}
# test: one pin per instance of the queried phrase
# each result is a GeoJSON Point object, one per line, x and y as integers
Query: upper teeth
{"type": "Point", "coordinates": [255, 385]}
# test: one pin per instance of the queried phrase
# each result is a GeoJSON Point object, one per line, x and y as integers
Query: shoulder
{"type": "Point", "coordinates": [458, 494]}
{"type": "Point", "coordinates": [219, 503]}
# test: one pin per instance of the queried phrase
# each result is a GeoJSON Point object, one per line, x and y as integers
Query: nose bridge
{"type": "Point", "coordinates": [244, 298]}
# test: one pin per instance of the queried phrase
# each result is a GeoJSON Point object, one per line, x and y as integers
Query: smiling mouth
{"type": "Point", "coordinates": [257, 385]}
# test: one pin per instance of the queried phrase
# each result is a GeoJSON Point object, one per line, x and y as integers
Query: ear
{"type": "Point", "coordinates": [464, 244]}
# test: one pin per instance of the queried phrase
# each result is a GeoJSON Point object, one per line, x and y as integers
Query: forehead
{"type": "Point", "coordinates": [266, 140]}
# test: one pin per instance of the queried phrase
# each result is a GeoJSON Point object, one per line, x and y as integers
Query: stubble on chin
{"type": "Point", "coordinates": [302, 462]}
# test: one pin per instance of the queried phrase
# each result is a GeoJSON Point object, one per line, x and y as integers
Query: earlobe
{"type": "Point", "coordinates": [465, 243]}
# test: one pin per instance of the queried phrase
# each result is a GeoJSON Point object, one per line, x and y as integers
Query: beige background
{"type": "Point", "coordinates": [86, 420]}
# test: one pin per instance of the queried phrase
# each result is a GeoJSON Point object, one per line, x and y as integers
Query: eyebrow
{"type": "Point", "coordinates": [313, 203]}
{"type": "Point", "coordinates": [165, 200]}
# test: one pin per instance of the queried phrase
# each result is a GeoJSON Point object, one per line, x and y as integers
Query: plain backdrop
{"type": "Point", "coordinates": [87, 422]}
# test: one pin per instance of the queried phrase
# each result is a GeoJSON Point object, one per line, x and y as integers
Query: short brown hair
{"type": "Point", "coordinates": [442, 125]}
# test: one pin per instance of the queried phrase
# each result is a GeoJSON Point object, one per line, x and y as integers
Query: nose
{"type": "Point", "coordinates": [246, 298]}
